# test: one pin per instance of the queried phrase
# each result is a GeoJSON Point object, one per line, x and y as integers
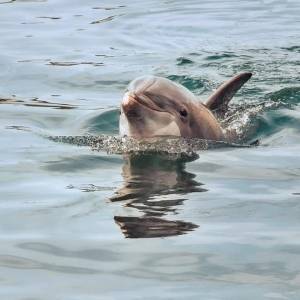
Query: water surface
{"type": "Point", "coordinates": [83, 224]}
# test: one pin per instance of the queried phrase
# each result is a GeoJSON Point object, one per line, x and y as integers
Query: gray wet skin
{"type": "Point", "coordinates": [155, 106]}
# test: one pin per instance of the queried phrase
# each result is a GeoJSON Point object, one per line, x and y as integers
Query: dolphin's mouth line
{"type": "Point", "coordinates": [144, 100]}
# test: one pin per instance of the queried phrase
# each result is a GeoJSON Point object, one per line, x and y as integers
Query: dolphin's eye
{"type": "Point", "coordinates": [183, 112]}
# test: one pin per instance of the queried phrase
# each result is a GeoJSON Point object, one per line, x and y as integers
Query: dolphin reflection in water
{"type": "Point", "coordinates": [155, 185]}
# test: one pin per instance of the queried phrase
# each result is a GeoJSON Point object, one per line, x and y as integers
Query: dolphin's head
{"type": "Point", "coordinates": [155, 106]}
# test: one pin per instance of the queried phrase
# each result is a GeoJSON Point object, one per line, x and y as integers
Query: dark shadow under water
{"type": "Point", "coordinates": [154, 185]}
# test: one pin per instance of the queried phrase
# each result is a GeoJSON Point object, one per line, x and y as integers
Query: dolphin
{"type": "Point", "coordinates": [155, 106]}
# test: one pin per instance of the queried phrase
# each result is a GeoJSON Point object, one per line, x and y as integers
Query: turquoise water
{"type": "Point", "coordinates": [84, 224]}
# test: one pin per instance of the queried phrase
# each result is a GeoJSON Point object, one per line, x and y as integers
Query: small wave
{"type": "Point", "coordinates": [194, 84]}
{"type": "Point", "coordinates": [107, 19]}
{"type": "Point", "coordinates": [292, 48]}
{"type": "Point", "coordinates": [181, 61]}
{"type": "Point", "coordinates": [104, 123]}
{"type": "Point", "coordinates": [36, 102]}
{"type": "Point", "coordinates": [74, 63]}
{"type": "Point", "coordinates": [219, 56]}
{"type": "Point", "coordinates": [288, 95]}
{"type": "Point", "coordinates": [109, 7]}
{"type": "Point", "coordinates": [51, 18]}
{"type": "Point", "coordinates": [89, 187]}
{"type": "Point", "coordinates": [9, 1]}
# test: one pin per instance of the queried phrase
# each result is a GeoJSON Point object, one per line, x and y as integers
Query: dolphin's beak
{"type": "Point", "coordinates": [129, 104]}
{"type": "Point", "coordinates": [128, 98]}
{"type": "Point", "coordinates": [132, 103]}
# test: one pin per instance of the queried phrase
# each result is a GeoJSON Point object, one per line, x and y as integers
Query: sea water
{"type": "Point", "coordinates": [80, 223]}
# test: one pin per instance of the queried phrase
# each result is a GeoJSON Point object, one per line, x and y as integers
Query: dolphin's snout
{"type": "Point", "coordinates": [129, 104]}
{"type": "Point", "coordinates": [128, 98]}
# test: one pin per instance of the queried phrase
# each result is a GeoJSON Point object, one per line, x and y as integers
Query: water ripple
{"type": "Point", "coordinates": [17, 262]}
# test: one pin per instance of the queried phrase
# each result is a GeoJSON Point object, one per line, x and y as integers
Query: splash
{"type": "Point", "coordinates": [172, 146]}
{"type": "Point", "coordinates": [241, 120]}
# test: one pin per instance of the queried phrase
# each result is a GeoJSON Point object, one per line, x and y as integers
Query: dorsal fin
{"type": "Point", "coordinates": [218, 101]}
